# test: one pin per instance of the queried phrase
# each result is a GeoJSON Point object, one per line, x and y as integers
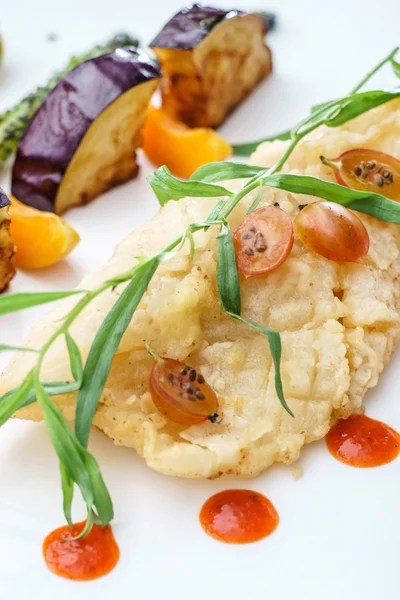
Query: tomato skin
{"type": "Point", "coordinates": [181, 393]}
{"type": "Point", "coordinates": [368, 171]}
{"type": "Point", "coordinates": [263, 241]}
{"type": "Point", "coordinates": [332, 231]}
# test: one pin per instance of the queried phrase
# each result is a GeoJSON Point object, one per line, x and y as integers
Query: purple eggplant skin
{"type": "Point", "coordinates": [4, 199]}
{"type": "Point", "coordinates": [59, 125]}
{"type": "Point", "coordinates": [190, 26]}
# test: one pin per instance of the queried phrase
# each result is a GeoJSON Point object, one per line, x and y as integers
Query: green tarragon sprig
{"type": "Point", "coordinates": [77, 464]}
{"type": "Point", "coordinates": [327, 109]}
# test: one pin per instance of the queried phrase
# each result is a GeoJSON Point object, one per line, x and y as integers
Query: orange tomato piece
{"type": "Point", "coordinates": [181, 393]}
{"type": "Point", "coordinates": [180, 148]}
{"type": "Point", "coordinates": [41, 238]}
{"type": "Point", "coordinates": [263, 241]}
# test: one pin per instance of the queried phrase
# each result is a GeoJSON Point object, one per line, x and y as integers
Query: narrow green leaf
{"type": "Point", "coordinates": [319, 116]}
{"type": "Point", "coordinates": [250, 147]}
{"type": "Point", "coordinates": [80, 466]}
{"type": "Point", "coordinates": [15, 400]}
{"type": "Point", "coordinates": [369, 203]}
{"type": "Point", "coordinates": [67, 447]}
{"type": "Point", "coordinates": [347, 109]}
{"type": "Point", "coordinates": [257, 199]}
{"type": "Point", "coordinates": [375, 69]}
{"type": "Point", "coordinates": [167, 187]}
{"type": "Point", "coordinates": [74, 358]}
{"type": "Point", "coordinates": [105, 345]}
{"type": "Point", "coordinates": [87, 528]}
{"type": "Point", "coordinates": [229, 295]}
{"type": "Point", "coordinates": [67, 486]}
{"type": "Point", "coordinates": [395, 67]}
{"type": "Point", "coordinates": [192, 243]}
{"type": "Point", "coordinates": [96, 519]}
{"type": "Point", "coordinates": [227, 273]}
{"type": "Point", "coordinates": [317, 107]}
{"type": "Point", "coordinates": [15, 302]}
{"type": "Point", "coordinates": [222, 171]}
{"type": "Point", "coordinates": [53, 388]}
{"type": "Point", "coordinates": [213, 217]}
{"type": "Point", "coordinates": [102, 499]}
{"type": "Point", "coordinates": [56, 388]}
{"type": "Point", "coordinates": [358, 104]}
{"type": "Point", "coordinates": [275, 347]}
{"type": "Point", "coordinates": [6, 348]}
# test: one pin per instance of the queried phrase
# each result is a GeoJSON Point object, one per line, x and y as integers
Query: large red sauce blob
{"type": "Point", "coordinates": [363, 442]}
{"type": "Point", "coordinates": [238, 516]}
{"type": "Point", "coordinates": [88, 558]}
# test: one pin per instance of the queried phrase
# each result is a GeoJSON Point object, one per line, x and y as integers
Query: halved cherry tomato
{"type": "Point", "coordinates": [333, 231]}
{"type": "Point", "coordinates": [367, 170]}
{"type": "Point", "coordinates": [181, 393]}
{"type": "Point", "coordinates": [41, 238]}
{"type": "Point", "coordinates": [263, 241]}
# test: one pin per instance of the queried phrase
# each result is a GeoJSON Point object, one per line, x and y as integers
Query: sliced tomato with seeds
{"type": "Point", "coordinates": [263, 241]}
{"type": "Point", "coordinates": [181, 393]}
{"type": "Point", "coordinates": [367, 171]}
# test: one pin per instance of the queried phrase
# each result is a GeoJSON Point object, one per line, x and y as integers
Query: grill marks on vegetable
{"type": "Point", "coordinates": [343, 110]}
{"type": "Point", "coordinates": [14, 121]}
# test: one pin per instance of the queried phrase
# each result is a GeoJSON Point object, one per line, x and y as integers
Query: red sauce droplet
{"type": "Point", "coordinates": [238, 516]}
{"type": "Point", "coordinates": [363, 442]}
{"type": "Point", "coordinates": [88, 558]}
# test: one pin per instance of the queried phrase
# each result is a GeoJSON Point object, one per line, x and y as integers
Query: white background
{"type": "Point", "coordinates": [339, 530]}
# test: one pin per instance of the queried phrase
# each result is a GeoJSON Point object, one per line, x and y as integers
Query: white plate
{"type": "Point", "coordinates": [339, 529]}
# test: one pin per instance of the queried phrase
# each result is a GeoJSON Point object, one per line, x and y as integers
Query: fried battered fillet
{"type": "Point", "coordinates": [339, 324]}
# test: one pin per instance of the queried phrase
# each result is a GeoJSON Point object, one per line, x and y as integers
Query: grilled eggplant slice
{"type": "Point", "coordinates": [211, 59]}
{"type": "Point", "coordinates": [7, 248]}
{"type": "Point", "coordinates": [83, 138]}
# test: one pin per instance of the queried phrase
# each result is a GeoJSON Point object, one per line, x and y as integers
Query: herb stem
{"type": "Point", "coordinates": [76, 311]}
{"type": "Point", "coordinates": [259, 179]}
{"type": "Point", "coordinates": [70, 318]}
{"type": "Point", "coordinates": [77, 465]}
{"type": "Point", "coordinates": [371, 73]}
{"type": "Point", "coordinates": [298, 134]}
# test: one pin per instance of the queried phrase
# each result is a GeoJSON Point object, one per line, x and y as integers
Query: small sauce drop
{"type": "Point", "coordinates": [363, 442]}
{"type": "Point", "coordinates": [84, 559]}
{"type": "Point", "coordinates": [238, 516]}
